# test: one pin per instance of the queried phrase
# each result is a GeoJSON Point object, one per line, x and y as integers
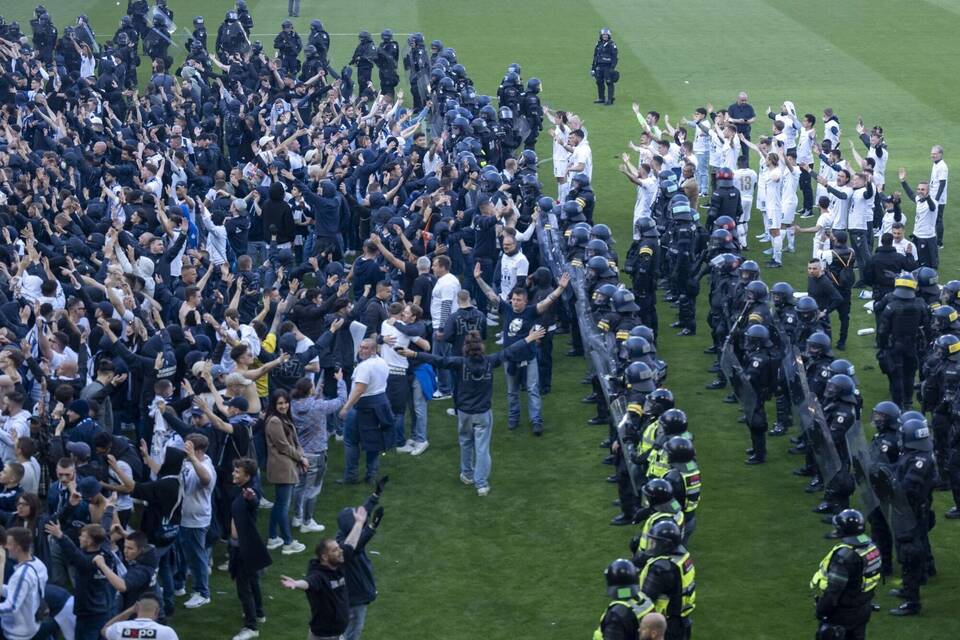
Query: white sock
{"type": "Point", "coordinates": [791, 239]}
{"type": "Point", "coordinates": [742, 235]}
{"type": "Point", "coordinates": [778, 247]}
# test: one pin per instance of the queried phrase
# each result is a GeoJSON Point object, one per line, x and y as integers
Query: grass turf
{"type": "Point", "coordinates": [527, 560]}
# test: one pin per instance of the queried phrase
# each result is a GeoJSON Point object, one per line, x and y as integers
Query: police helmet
{"type": "Point", "coordinates": [418, 38]}
{"type": "Point", "coordinates": [647, 227]}
{"type": "Point", "coordinates": [458, 70]}
{"type": "Point", "coordinates": [460, 121]}
{"type": "Point", "coordinates": [757, 335]}
{"type": "Point", "coordinates": [506, 113]}
{"type": "Point", "coordinates": [844, 366]}
{"type": "Point", "coordinates": [782, 294]}
{"type": "Point", "coordinates": [635, 347]}
{"type": "Point", "coordinates": [640, 377]}
{"type": "Point", "coordinates": [725, 222]}
{"type": "Point", "coordinates": [724, 178]}
{"type": "Point", "coordinates": [479, 125]}
{"type": "Point", "coordinates": [231, 16]}
{"type": "Point", "coordinates": [905, 286]}
{"type": "Point", "coordinates": [948, 346]}
{"type": "Point", "coordinates": [447, 85]}
{"type": "Point", "coordinates": [126, 21]}
{"type": "Point", "coordinates": [386, 35]}
{"type": "Point", "coordinates": [849, 522]}
{"type": "Point", "coordinates": [623, 579]}
{"type": "Point", "coordinates": [310, 50]}
{"type": "Point", "coordinates": [749, 270]}
{"type": "Point", "coordinates": [511, 79]}
{"type": "Point", "coordinates": [840, 387]}
{"type": "Point", "coordinates": [886, 416]}
{"type": "Point", "coordinates": [316, 25]}
{"type": "Point", "coordinates": [364, 36]}
{"type": "Point", "coordinates": [944, 316]}
{"type": "Point", "coordinates": [657, 491]}
{"type": "Point", "coordinates": [579, 237]}
{"type": "Point", "coordinates": [450, 54]}
{"type": "Point", "coordinates": [528, 158]}
{"type": "Point", "coordinates": [533, 85]}
{"type": "Point", "coordinates": [915, 434]}
{"type": "Point", "coordinates": [436, 45]}
{"type": "Point", "coordinates": [198, 21]}
{"type": "Point", "coordinates": [490, 181]}
{"type": "Point", "coordinates": [808, 309]}
{"type": "Point", "coordinates": [123, 39]}
{"type": "Point", "coordinates": [514, 67]}
{"type": "Point", "coordinates": [673, 422]}
{"type": "Point", "coordinates": [488, 113]}
{"type": "Point", "coordinates": [659, 400]}
{"type": "Point", "coordinates": [596, 247]}
{"type": "Point", "coordinates": [286, 24]}
{"type": "Point", "coordinates": [599, 264]}
{"type": "Point", "coordinates": [927, 280]}
{"type": "Point", "coordinates": [604, 32]}
{"type": "Point", "coordinates": [624, 300]}
{"type": "Point", "coordinates": [580, 180]}
{"type": "Point", "coordinates": [728, 262]}
{"type": "Point", "coordinates": [545, 203]}
{"type": "Point", "coordinates": [606, 291]}
{"type": "Point", "coordinates": [572, 210]}
{"type": "Point", "coordinates": [602, 232]}
{"type": "Point", "coordinates": [241, 4]}
{"type": "Point", "coordinates": [680, 449]}
{"type": "Point", "coordinates": [644, 332]}
{"type": "Point", "coordinates": [665, 536]}
{"type": "Point", "coordinates": [757, 291]}
{"type": "Point", "coordinates": [950, 293]}
{"type": "Point", "coordinates": [720, 238]}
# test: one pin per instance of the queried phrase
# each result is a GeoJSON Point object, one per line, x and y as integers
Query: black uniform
{"type": "Point", "coordinates": [416, 63]}
{"type": "Point", "coordinates": [289, 44]}
{"type": "Point", "coordinates": [884, 449]}
{"type": "Point", "coordinates": [760, 364]}
{"type": "Point", "coordinates": [916, 473]}
{"type": "Point", "coordinates": [137, 10]}
{"type": "Point", "coordinates": [840, 415]}
{"type": "Point", "coordinates": [840, 271]}
{"type": "Point", "coordinates": [897, 337]}
{"type": "Point", "coordinates": [230, 39]}
{"type": "Point", "coordinates": [532, 112]}
{"type": "Point", "coordinates": [604, 68]}
{"type": "Point", "coordinates": [363, 58]}
{"type": "Point", "coordinates": [388, 56]}
{"type": "Point", "coordinates": [847, 580]}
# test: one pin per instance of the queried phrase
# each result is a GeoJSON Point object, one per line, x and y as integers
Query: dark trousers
{"type": "Point", "coordinates": [806, 188]}
{"type": "Point", "coordinates": [844, 312]}
{"type": "Point", "coordinates": [927, 253]}
{"type": "Point", "coordinates": [880, 533]}
{"type": "Point", "coordinates": [940, 211]}
{"type": "Point", "coordinates": [602, 76]}
{"type": "Point", "coordinates": [89, 627]}
{"type": "Point", "coordinates": [757, 424]}
{"type": "Point", "coordinates": [861, 242]}
{"type": "Point", "coordinates": [901, 372]}
{"type": "Point", "coordinates": [545, 362]}
{"type": "Point", "coordinates": [248, 590]}
{"type": "Point", "coordinates": [398, 390]}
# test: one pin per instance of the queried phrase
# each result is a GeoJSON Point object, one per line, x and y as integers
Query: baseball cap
{"type": "Point", "coordinates": [80, 450]}
{"type": "Point", "coordinates": [239, 403]}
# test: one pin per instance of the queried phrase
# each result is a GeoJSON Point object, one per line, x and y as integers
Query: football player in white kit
{"type": "Point", "coordinates": [745, 180]}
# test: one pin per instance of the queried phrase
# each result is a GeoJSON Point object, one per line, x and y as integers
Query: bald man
{"type": "Point", "coordinates": [653, 627]}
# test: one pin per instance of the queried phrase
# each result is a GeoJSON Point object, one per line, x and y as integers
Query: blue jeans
{"type": "Point", "coordinates": [442, 348]}
{"type": "Point", "coordinates": [89, 627]}
{"type": "Point", "coordinates": [703, 172]}
{"type": "Point", "coordinates": [351, 449]}
{"type": "Point", "coordinates": [475, 430]}
{"type": "Point", "coordinates": [358, 616]}
{"type": "Point", "coordinates": [260, 445]}
{"type": "Point", "coordinates": [165, 562]}
{"type": "Point", "coordinates": [515, 383]}
{"type": "Point", "coordinates": [193, 542]}
{"type": "Point", "coordinates": [311, 482]}
{"type": "Point", "coordinates": [418, 432]}
{"type": "Point", "coordinates": [280, 513]}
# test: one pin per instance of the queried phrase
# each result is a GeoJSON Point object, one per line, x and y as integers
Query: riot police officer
{"type": "Point", "coordinates": [320, 39]}
{"type": "Point", "coordinates": [659, 504]}
{"type": "Point", "coordinates": [126, 26]}
{"type": "Point", "coordinates": [137, 10]}
{"type": "Point", "coordinates": [725, 201]}
{"type": "Point", "coordinates": [723, 280]}
{"type": "Point", "coordinates": [231, 38]}
{"type": "Point", "coordinates": [669, 579]}
{"type": "Point", "coordinates": [915, 475]}
{"type": "Point", "coordinates": [684, 477]}
{"type": "Point", "coordinates": [604, 67]}
{"type": "Point", "coordinates": [532, 112]}
{"type": "Point", "coordinates": [671, 424]}
{"type": "Point", "coordinates": [621, 619]}
{"type": "Point", "coordinates": [840, 411]}
{"type": "Point", "coordinates": [509, 92]}
{"type": "Point", "coordinates": [44, 34]}
{"type": "Point", "coordinates": [288, 44]}
{"type": "Point", "coordinates": [157, 41]}
{"type": "Point", "coordinates": [902, 320]}
{"type": "Point", "coordinates": [416, 64]}
{"type": "Point", "coordinates": [642, 264]}
{"type": "Point", "coordinates": [126, 52]}
{"type": "Point", "coordinates": [244, 17]}
{"type": "Point", "coordinates": [884, 449]}
{"type": "Point", "coordinates": [760, 366]}
{"type": "Point", "coordinates": [388, 57]}
{"type": "Point", "coordinates": [364, 57]}
{"type": "Point", "coordinates": [809, 320]}
{"type": "Point", "coordinates": [199, 31]}
{"type": "Point", "coordinates": [846, 580]}
{"type": "Point", "coordinates": [687, 242]}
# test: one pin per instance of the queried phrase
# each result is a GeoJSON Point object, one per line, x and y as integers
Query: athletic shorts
{"type": "Point", "coordinates": [788, 212]}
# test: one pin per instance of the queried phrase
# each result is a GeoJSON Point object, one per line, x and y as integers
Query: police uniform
{"type": "Point", "coordinates": [884, 449]}
{"type": "Point", "coordinates": [289, 44]}
{"type": "Point", "coordinates": [669, 580]}
{"type": "Point", "coordinates": [604, 67]}
{"type": "Point", "coordinates": [388, 57]}
{"type": "Point", "coordinates": [916, 473]}
{"type": "Point", "coordinates": [760, 366]}
{"type": "Point", "coordinates": [621, 619]}
{"type": "Point", "coordinates": [363, 58]}
{"type": "Point", "coordinates": [845, 583]}
{"type": "Point", "coordinates": [644, 274]}
{"type": "Point", "coordinates": [532, 111]}
{"type": "Point", "coordinates": [416, 64]}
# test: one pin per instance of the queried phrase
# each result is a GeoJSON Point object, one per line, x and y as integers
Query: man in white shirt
{"type": "Point", "coordinates": [14, 424]}
{"type": "Point", "coordinates": [840, 194]}
{"type": "Point", "coordinates": [745, 180]}
{"type": "Point", "coordinates": [581, 158]}
{"type": "Point", "coordinates": [23, 592]}
{"type": "Point", "coordinates": [144, 625]}
{"type": "Point", "coordinates": [939, 174]}
{"type": "Point", "coordinates": [900, 243]}
{"type": "Point", "coordinates": [925, 222]}
{"type": "Point", "coordinates": [398, 383]}
{"type": "Point", "coordinates": [442, 302]}
{"type": "Point", "coordinates": [370, 423]}
{"type": "Point", "coordinates": [514, 266]}
{"type": "Point", "coordinates": [860, 217]}
{"type": "Point", "coordinates": [806, 139]}
{"type": "Point", "coordinates": [216, 236]}
{"type": "Point", "coordinates": [199, 479]}
{"type": "Point", "coordinates": [701, 147]}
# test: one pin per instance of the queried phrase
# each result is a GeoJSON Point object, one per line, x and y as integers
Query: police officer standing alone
{"type": "Point", "coordinates": [621, 619]}
{"type": "Point", "coordinates": [363, 58]}
{"type": "Point", "coordinates": [604, 69]}
{"type": "Point", "coordinates": [288, 44]}
{"type": "Point", "coordinates": [846, 580]}
{"type": "Point", "coordinates": [388, 56]}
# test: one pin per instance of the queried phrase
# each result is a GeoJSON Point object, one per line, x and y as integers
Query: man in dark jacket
{"type": "Point", "coordinates": [248, 553]}
{"type": "Point", "coordinates": [884, 266]}
{"type": "Point", "coordinates": [326, 583]}
{"type": "Point", "coordinates": [141, 570]}
{"type": "Point", "coordinates": [277, 218]}
{"type": "Point", "coordinates": [822, 289]}
{"type": "Point", "coordinates": [361, 586]}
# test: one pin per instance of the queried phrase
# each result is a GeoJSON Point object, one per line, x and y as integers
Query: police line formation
{"type": "Point", "coordinates": [264, 178]}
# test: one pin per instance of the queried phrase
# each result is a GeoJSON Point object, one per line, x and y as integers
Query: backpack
{"type": "Point", "coordinates": [841, 271]}
{"type": "Point", "coordinates": [168, 532]}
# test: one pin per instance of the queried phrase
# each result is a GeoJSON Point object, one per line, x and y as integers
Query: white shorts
{"type": "Point", "coordinates": [788, 212]}
{"type": "Point", "coordinates": [747, 205]}
{"type": "Point", "coordinates": [559, 167]}
{"type": "Point", "coordinates": [773, 220]}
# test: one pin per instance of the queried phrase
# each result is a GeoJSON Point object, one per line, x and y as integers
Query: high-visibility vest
{"type": "Point", "coordinates": [686, 602]}
{"type": "Point", "coordinates": [870, 574]}
{"type": "Point", "coordinates": [640, 606]}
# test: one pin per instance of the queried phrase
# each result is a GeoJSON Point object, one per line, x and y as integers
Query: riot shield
{"type": "Point", "coordinates": [893, 501]}
{"type": "Point", "coordinates": [860, 463]}
{"type": "Point", "coordinates": [523, 127]}
{"type": "Point", "coordinates": [152, 15]}
{"type": "Point", "coordinates": [814, 425]}
{"type": "Point", "coordinates": [89, 37]}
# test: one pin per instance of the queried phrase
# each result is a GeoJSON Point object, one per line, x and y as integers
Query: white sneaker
{"type": "Point", "coordinates": [311, 526]}
{"type": "Point", "coordinates": [438, 395]}
{"type": "Point", "coordinates": [247, 633]}
{"type": "Point", "coordinates": [223, 566]}
{"type": "Point", "coordinates": [338, 437]}
{"type": "Point", "coordinates": [265, 504]}
{"type": "Point", "coordinates": [452, 412]}
{"type": "Point", "coordinates": [763, 237]}
{"type": "Point", "coordinates": [295, 522]}
{"type": "Point", "coordinates": [196, 601]}
{"type": "Point", "coordinates": [408, 447]}
{"type": "Point", "coordinates": [274, 543]}
{"type": "Point", "coordinates": [419, 448]}
{"type": "Point", "coordinates": [180, 592]}
{"type": "Point", "coordinates": [482, 491]}
{"type": "Point", "coordinates": [292, 548]}
{"type": "Point", "coordinates": [465, 480]}
{"type": "Point", "coordinates": [499, 340]}
{"type": "Point", "coordinates": [492, 321]}
{"type": "Point", "coordinates": [261, 619]}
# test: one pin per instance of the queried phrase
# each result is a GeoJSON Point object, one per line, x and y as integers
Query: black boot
{"type": "Point", "coordinates": [610, 86]}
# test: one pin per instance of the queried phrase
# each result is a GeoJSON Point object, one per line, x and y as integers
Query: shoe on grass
{"type": "Point", "coordinates": [312, 526]}
{"type": "Point", "coordinates": [419, 448]}
{"type": "Point", "coordinates": [196, 601]}
{"type": "Point", "coordinates": [274, 543]}
{"type": "Point", "coordinates": [292, 548]}
{"type": "Point", "coordinates": [465, 480]}
{"type": "Point", "coordinates": [246, 633]}
{"type": "Point", "coordinates": [482, 491]}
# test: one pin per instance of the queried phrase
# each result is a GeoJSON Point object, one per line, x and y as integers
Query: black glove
{"type": "Point", "coordinates": [377, 517]}
{"type": "Point", "coordinates": [381, 483]}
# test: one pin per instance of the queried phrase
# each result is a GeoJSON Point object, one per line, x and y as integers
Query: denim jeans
{"type": "Point", "coordinates": [476, 430]}
{"type": "Point", "coordinates": [306, 492]}
{"type": "Point", "coordinates": [351, 449]}
{"type": "Point", "coordinates": [515, 383]}
{"type": "Point", "coordinates": [89, 627]}
{"type": "Point", "coordinates": [165, 568]}
{"type": "Point", "coordinates": [442, 348]}
{"type": "Point", "coordinates": [703, 172]}
{"type": "Point", "coordinates": [398, 392]}
{"type": "Point", "coordinates": [358, 616]}
{"type": "Point", "coordinates": [280, 513]}
{"type": "Point", "coordinates": [418, 403]}
{"type": "Point", "coordinates": [193, 542]}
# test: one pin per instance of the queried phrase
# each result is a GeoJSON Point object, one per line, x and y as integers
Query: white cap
{"type": "Point", "coordinates": [264, 140]}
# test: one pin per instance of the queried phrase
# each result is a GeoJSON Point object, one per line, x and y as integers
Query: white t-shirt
{"type": "Point", "coordinates": [906, 248]}
{"type": "Point", "coordinates": [861, 210]}
{"type": "Point", "coordinates": [831, 131]}
{"type": "Point", "coordinates": [561, 157]}
{"type": "Point", "coordinates": [388, 353]}
{"type": "Point", "coordinates": [582, 155]}
{"type": "Point", "coordinates": [443, 298]}
{"type": "Point", "coordinates": [513, 269]}
{"type": "Point", "coordinates": [840, 208]}
{"type": "Point", "coordinates": [373, 372]}
{"type": "Point", "coordinates": [937, 173]}
{"type": "Point", "coordinates": [31, 476]}
{"type": "Point", "coordinates": [701, 139]}
{"type": "Point", "coordinates": [140, 628]}
{"type": "Point", "coordinates": [879, 163]}
{"type": "Point", "coordinates": [197, 506]}
{"type": "Point", "coordinates": [789, 180]}
{"type": "Point", "coordinates": [805, 146]}
{"type": "Point", "coordinates": [745, 180]}
{"type": "Point", "coordinates": [821, 241]}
